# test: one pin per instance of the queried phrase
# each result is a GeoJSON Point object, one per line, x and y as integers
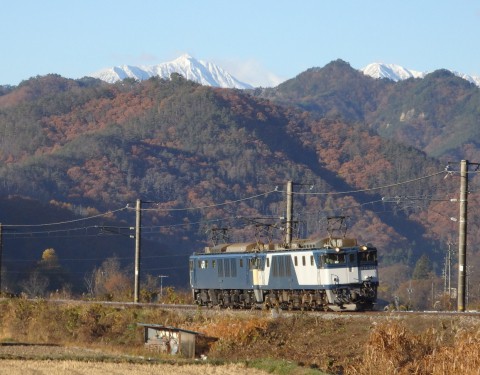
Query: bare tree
{"type": "Point", "coordinates": [89, 280]}
{"type": "Point", "coordinates": [108, 281]}
{"type": "Point", "coordinates": [36, 285]}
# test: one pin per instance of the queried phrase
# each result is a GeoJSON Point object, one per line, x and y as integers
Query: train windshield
{"type": "Point", "coordinates": [334, 259]}
{"type": "Point", "coordinates": [369, 256]}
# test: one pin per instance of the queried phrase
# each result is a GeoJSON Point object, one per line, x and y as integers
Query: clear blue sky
{"type": "Point", "coordinates": [258, 41]}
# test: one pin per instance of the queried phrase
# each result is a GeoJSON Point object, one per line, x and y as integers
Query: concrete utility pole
{"type": "Point", "coordinates": [289, 213]}
{"type": "Point", "coordinates": [138, 211]}
{"type": "Point", "coordinates": [462, 236]}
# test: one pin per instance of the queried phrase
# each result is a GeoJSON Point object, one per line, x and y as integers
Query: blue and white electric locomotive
{"type": "Point", "coordinates": [333, 273]}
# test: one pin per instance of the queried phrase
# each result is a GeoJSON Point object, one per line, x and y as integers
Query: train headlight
{"type": "Point", "coordinates": [337, 249]}
{"type": "Point", "coordinates": [363, 248]}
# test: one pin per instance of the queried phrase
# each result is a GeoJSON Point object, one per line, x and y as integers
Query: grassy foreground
{"type": "Point", "coordinates": [284, 344]}
{"type": "Point", "coordinates": [50, 367]}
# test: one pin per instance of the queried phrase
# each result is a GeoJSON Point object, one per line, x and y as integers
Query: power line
{"type": "Point", "coordinates": [202, 207]}
{"type": "Point", "coordinates": [148, 230]}
{"type": "Point", "coordinates": [276, 190]}
{"type": "Point", "coordinates": [12, 272]}
{"type": "Point", "coordinates": [65, 222]}
{"type": "Point", "coordinates": [182, 224]}
{"type": "Point", "coordinates": [107, 228]}
{"type": "Point", "coordinates": [102, 229]}
{"type": "Point", "coordinates": [101, 258]}
{"type": "Point", "coordinates": [369, 189]}
{"type": "Point", "coordinates": [39, 236]}
{"type": "Point", "coordinates": [50, 231]}
{"type": "Point", "coordinates": [399, 198]}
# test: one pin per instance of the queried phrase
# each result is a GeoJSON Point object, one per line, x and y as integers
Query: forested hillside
{"type": "Point", "coordinates": [438, 114]}
{"type": "Point", "coordinates": [82, 152]}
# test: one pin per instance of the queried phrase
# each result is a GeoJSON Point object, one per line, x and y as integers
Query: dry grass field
{"type": "Point", "coordinates": [83, 337]}
{"type": "Point", "coordinates": [56, 367]}
{"type": "Point", "coordinates": [20, 359]}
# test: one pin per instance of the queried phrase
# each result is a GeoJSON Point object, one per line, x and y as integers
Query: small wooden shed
{"type": "Point", "coordinates": [175, 341]}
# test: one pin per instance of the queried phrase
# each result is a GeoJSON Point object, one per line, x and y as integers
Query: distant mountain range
{"type": "Point", "coordinates": [209, 74]}
{"type": "Point", "coordinates": [202, 72]}
{"type": "Point", "coordinates": [398, 73]}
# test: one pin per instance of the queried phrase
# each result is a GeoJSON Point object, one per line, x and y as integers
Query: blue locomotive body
{"type": "Point", "coordinates": [327, 274]}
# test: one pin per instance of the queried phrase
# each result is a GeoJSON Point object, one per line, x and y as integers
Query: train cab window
{"type": "Point", "coordinates": [312, 261]}
{"type": "Point", "coordinates": [295, 261]}
{"type": "Point", "coordinates": [368, 257]}
{"type": "Point", "coordinates": [254, 263]}
{"type": "Point", "coordinates": [268, 262]}
{"type": "Point", "coordinates": [241, 263]}
{"type": "Point", "coordinates": [203, 264]}
{"type": "Point", "coordinates": [333, 259]}
{"type": "Point", "coordinates": [214, 263]}
{"type": "Point", "coordinates": [303, 261]}
{"type": "Point", "coordinates": [191, 263]}
{"type": "Point", "coordinates": [352, 259]}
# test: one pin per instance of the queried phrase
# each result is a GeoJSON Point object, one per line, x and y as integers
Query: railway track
{"type": "Point", "coordinates": [273, 312]}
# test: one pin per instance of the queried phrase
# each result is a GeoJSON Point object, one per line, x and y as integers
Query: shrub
{"type": "Point", "coordinates": [393, 349]}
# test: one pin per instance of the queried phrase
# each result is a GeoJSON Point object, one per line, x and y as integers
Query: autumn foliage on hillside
{"type": "Point", "coordinates": [437, 114]}
{"type": "Point", "coordinates": [189, 149]}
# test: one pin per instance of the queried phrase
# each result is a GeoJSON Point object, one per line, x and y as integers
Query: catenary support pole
{"type": "Point", "coordinates": [289, 213]}
{"type": "Point", "coordinates": [138, 211]}
{"type": "Point", "coordinates": [462, 236]}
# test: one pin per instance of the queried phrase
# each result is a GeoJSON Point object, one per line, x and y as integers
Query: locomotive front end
{"type": "Point", "coordinates": [350, 277]}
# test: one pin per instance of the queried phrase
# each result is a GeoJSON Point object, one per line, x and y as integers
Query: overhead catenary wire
{"type": "Point", "coordinates": [68, 231]}
{"type": "Point", "coordinates": [102, 230]}
{"type": "Point", "coordinates": [276, 190]}
{"type": "Point", "coordinates": [409, 198]}
{"type": "Point", "coordinates": [54, 231]}
{"type": "Point", "coordinates": [368, 189]}
{"type": "Point", "coordinates": [146, 269]}
{"type": "Point", "coordinates": [206, 206]}
{"type": "Point", "coordinates": [67, 221]}
{"type": "Point", "coordinates": [23, 260]}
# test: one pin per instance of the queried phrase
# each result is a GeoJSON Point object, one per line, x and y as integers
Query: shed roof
{"type": "Point", "coordinates": [169, 328]}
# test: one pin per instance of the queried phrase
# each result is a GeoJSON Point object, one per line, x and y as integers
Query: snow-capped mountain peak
{"type": "Point", "coordinates": [391, 71]}
{"type": "Point", "coordinates": [199, 71]}
{"type": "Point", "coordinates": [397, 73]}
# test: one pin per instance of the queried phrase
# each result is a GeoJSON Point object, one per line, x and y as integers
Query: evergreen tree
{"type": "Point", "coordinates": [423, 268]}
